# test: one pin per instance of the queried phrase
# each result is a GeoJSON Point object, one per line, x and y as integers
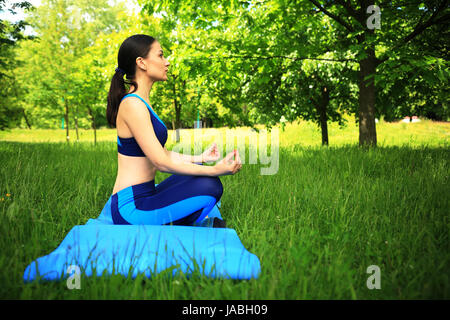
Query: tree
{"type": "Point", "coordinates": [254, 58]}
{"type": "Point", "coordinates": [325, 92]}
{"type": "Point", "coordinates": [10, 34]}
{"type": "Point", "coordinates": [282, 29]}
{"type": "Point", "coordinates": [95, 67]}
{"type": "Point", "coordinates": [49, 76]}
{"type": "Point", "coordinates": [404, 22]}
{"type": "Point", "coordinates": [418, 81]}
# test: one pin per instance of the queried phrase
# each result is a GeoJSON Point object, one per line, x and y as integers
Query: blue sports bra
{"type": "Point", "coordinates": [129, 146]}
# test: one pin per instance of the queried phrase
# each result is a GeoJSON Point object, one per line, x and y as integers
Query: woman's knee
{"type": "Point", "coordinates": [212, 185]}
{"type": "Point", "coordinates": [219, 187]}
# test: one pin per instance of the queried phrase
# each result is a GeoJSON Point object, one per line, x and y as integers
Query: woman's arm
{"type": "Point", "coordinates": [179, 157]}
{"type": "Point", "coordinates": [137, 119]}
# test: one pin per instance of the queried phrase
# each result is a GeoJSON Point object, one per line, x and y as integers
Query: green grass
{"type": "Point", "coordinates": [316, 225]}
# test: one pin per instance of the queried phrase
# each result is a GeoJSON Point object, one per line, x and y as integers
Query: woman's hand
{"type": "Point", "coordinates": [227, 165]}
{"type": "Point", "coordinates": [211, 154]}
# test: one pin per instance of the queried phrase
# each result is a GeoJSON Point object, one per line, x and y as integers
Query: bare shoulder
{"type": "Point", "coordinates": [131, 103]}
{"type": "Point", "coordinates": [132, 108]}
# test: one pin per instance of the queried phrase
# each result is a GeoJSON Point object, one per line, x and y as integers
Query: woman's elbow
{"type": "Point", "coordinates": [162, 164]}
{"type": "Point", "coordinates": [163, 168]}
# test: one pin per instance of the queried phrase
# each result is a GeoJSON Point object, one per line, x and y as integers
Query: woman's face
{"type": "Point", "coordinates": [155, 65]}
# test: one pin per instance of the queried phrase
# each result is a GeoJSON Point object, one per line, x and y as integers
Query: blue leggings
{"type": "Point", "coordinates": [178, 200]}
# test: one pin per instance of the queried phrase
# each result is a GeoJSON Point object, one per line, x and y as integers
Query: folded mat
{"type": "Point", "coordinates": [100, 246]}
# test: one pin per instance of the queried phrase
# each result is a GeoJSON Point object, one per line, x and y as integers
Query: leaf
{"type": "Point", "coordinates": [441, 75]}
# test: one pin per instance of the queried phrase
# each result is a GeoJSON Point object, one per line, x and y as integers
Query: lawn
{"type": "Point", "coordinates": [316, 225]}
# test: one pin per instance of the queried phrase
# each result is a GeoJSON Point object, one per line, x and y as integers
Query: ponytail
{"type": "Point", "coordinates": [133, 47]}
{"type": "Point", "coordinates": [117, 91]}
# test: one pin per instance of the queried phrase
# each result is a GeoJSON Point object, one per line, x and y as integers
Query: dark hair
{"type": "Point", "coordinates": [133, 47]}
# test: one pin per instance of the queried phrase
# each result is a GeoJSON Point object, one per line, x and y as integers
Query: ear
{"type": "Point", "coordinates": [140, 63]}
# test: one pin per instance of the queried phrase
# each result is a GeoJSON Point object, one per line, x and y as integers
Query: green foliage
{"type": "Point", "coordinates": [55, 71]}
{"type": "Point", "coordinates": [236, 63]}
{"type": "Point", "coordinates": [11, 111]}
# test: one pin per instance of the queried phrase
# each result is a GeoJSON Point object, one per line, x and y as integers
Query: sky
{"type": "Point", "coordinates": [20, 15]}
{"type": "Point", "coordinates": [6, 15]}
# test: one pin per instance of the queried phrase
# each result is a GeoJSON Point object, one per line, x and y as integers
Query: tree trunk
{"type": "Point", "coordinates": [323, 115]}
{"type": "Point", "coordinates": [177, 114]}
{"type": "Point", "coordinates": [367, 129]}
{"type": "Point", "coordinates": [26, 119]}
{"type": "Point", "coordinates": [95, 132]}
{"type": "Point", "coordinates": [66, 116]}
{"type": "Point", "coordinates": [321, 108]}
{"type": "Point", "coordinates": [207, 122]}
{"type": "Point", "coordinates": [76, 128]}
{"type": "Point", "coordinates": [91, 114]}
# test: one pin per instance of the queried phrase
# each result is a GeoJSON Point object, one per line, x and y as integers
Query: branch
{"type": "Point", "coordinates": [351, 11]}
{"type": "Point", "coordinates": [333, 16]}
{"type": "Point", "coordinates": [283, 57]}
{"type": "Point", "coordinates": [314, 102]}
{"type": "Point", "coordinates": [420, 27]}
{"type": "Point", "coordinates": [444, 18]}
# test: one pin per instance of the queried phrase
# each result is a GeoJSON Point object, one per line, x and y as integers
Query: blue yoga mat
{"type": "Point", "coordinates": [100, 247]}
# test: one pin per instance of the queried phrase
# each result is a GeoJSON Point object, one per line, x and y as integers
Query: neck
{"type": "Point", "coordinates": [144, 87]}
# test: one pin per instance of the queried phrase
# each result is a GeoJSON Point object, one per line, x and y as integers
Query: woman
{"type": "Point", "coordinates": [186, 197]}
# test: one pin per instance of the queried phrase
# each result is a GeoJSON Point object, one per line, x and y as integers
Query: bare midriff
{"type": "Point", "coordinates": [131, 170]}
